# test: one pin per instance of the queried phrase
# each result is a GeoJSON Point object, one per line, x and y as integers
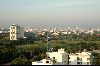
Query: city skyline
{"type": "Point", "coordinates": [50, 13]}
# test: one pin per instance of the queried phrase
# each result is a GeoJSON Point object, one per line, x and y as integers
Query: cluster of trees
{"type": "Point", "coordinates": [13, 54]}
{"type": "Point", "coordinates": [37, 51]}
{"type": "Point", "coordinates": [24, 51]}
{"type": "Point", "coordinates": [96, 60]}
{"type": "Point", "coordinates": [25, 54]}
{"type": "Point", "coordinates": [75, 37]}
{"type": "Point", "coordinates": [7, 51]}
{"type": "Point", "coordinates": [21, 60]}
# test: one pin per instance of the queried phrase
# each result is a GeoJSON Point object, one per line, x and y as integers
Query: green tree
{"type": "Point", "coordinates": [20, 61]}
{"type": "Point", "coordinates": [96, 60]}
{"type": "Point", "coordinates": [6, 52]}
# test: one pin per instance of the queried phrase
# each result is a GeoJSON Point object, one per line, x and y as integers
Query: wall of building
{"type": "Point", "coordinates": [83, 58]}
{"type": "Point", "coordinates": [16, 32]}
{"type": "Point", "coordinates": [61, 57]}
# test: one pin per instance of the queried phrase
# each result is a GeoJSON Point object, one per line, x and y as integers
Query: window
{"type": "Point", "coordinates": [13, 32]}
{"type": "Point", "coordinates": [87, 63]}
{"type": "Point", "coordinates": [68, 57]}
{"type": "Point", "coordinates": [53, 57]}
{"type": "Point", "coordinates": [78, 63]}
{"type": "Point", "coordinates": [88, 59]}
{"type": "Point", "coordinates": [47, 61]}
{"type": "Point", "coordinates": [54, 61]}
{"type": "Point", "coordinates": [13, 36]}
{"type": "Point", "coordinates": [78, 58]}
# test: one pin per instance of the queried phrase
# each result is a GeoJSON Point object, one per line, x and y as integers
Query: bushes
{"type": "Point", "coordinates": [96, 60]}
{"type": "Point", "coordinates": [37, 51]}
{"type": "Point", "coordinates": [20, 61]}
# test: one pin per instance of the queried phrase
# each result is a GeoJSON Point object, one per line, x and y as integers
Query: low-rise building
{"type": "Point", "coordinates": [63, 58]}
{"type": "Point", "coordinates": [83, 58]}
{"type": "Point", "coordinates": [54, 58]}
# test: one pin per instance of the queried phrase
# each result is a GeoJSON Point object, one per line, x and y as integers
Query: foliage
{"type": "Point", "coordinates": [6, 54]}
{"type": "Point", "coordinates": [96, 60]}
{"type": "Point", "coordinates": [36, 49]}
{"type": "Point", "coordinates": [20, 61]}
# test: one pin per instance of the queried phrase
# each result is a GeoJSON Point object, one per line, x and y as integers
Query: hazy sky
{"type": "Point", "coordinates": [50, 13]}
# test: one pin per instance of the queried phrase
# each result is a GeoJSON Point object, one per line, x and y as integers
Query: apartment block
{"type": "Point", "coordinates": [16, 32]}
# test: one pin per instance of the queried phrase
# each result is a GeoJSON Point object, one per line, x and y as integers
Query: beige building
{"type": "Point", "coordinates": [16, 32]}
{"type": "Point", "coordinates": [54, 58]}
{"type": "Point", "coordinates": [63, 58]}
{"type": "Point", "coordinates": [83, 58]}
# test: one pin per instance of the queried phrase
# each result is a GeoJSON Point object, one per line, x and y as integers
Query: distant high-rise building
{"type": "Point", "coordinates": [16, 32]}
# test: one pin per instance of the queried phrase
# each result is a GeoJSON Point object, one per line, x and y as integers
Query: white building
{"type": "Point", "coordinates": [54, 58]}
{"type": "Point", "coordinates": [16, 32]}
{"type": "Point", "coordinates": [83, 58]}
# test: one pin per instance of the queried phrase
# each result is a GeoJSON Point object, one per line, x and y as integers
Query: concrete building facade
{"type": "Point", "coordinates": [16, 32]}
{"type": "Point", "coordinates": [83, 58]}
{"type": "Point", "coordinates": [54, 58]}
{"type": "Point", "coordinates": [63, 58]}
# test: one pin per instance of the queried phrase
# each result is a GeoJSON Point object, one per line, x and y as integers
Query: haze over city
{"type": "Point", "coordinates": [49, 32]}
{"type": "Point", "coordinates": [50, 13]}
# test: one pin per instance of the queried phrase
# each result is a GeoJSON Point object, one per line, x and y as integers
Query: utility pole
{"type": "Point", "coordinates": [48, 42]}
